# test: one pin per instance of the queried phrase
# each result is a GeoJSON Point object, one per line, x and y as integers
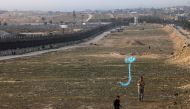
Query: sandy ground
{"type": "Point", "coordinates": [86, 76]}
{"type": "Point", "coordinates": [181, 55]}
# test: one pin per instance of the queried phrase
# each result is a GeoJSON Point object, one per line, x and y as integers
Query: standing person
{"type": "Point", "coordinates": [117, 103]}
{"type": "Point", "coordinates": [149, 47]}
{"type": "Point", "coordinates": [141, 85]}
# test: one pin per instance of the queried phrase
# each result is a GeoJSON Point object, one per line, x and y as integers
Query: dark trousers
{"type": "Point", "coordinates": [141, 94]}
{"type": "Point", "coordinates": [116, 107]}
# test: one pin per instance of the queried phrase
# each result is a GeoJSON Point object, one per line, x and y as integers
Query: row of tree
{"type": "Point", "coordinates": [43, 19]}
{"type": "Point", "coordinates": [186, 24]}
{"type": "Point", "coordinates": [153, 19]}
{"type": "Point", "coordinates": [50, 21]}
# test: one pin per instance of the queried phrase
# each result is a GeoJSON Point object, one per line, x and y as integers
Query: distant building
{"type": "Point", "coordinates": [181, 17]}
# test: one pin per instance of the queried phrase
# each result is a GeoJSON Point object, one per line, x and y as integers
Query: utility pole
{"type": "Point", "coordinates": [74, 20]}
{"type": "Point", "coordinates": [74, 16]}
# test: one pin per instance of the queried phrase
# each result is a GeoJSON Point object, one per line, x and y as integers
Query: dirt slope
{"type": "Point", "coordinates": [181, 54]}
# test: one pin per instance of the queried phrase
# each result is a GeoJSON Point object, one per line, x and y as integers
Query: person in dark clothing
{"type": "Point", "coordinates": [117, 103]}
{"type": "Point", "coordinates": [149, 47]}
{"type": "Point", "coordinates": [141, 85]}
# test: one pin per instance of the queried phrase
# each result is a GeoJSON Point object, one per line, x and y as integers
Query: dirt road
{"type": "Point", "coordinates": [89, 17]}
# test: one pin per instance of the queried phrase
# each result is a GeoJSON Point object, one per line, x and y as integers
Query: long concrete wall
{"type": "Point", "coordinates": [20, 44]}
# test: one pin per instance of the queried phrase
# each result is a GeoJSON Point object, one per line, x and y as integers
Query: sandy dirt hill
{"type": "Point", "coordinates": [181, 54]}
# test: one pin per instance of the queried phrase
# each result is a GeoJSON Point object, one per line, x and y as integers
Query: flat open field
{"type": "Point", "coordinates": [86, 77]}
{"type": "Point", "coordinates": [27, 17]}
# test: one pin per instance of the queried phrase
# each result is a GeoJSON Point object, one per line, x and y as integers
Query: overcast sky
{"type": "Point", "coordinates": [68, 5]}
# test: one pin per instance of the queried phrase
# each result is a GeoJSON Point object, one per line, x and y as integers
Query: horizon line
{"type": "Point", "coordinates": [100, 9]}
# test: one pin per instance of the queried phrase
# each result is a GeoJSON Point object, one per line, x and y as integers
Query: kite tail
{"type": "Point", "coordinates": [129, 79]}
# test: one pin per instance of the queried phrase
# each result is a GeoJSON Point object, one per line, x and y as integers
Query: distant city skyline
{"type": "Point", "coordinates": [69, 5]}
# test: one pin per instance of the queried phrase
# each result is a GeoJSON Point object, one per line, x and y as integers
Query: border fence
{"type": "Point", "coordinates": [15, 44]}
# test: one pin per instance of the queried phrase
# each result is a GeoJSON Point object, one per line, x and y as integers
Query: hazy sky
{"type": "Point", "coordinates": [68, 5]}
